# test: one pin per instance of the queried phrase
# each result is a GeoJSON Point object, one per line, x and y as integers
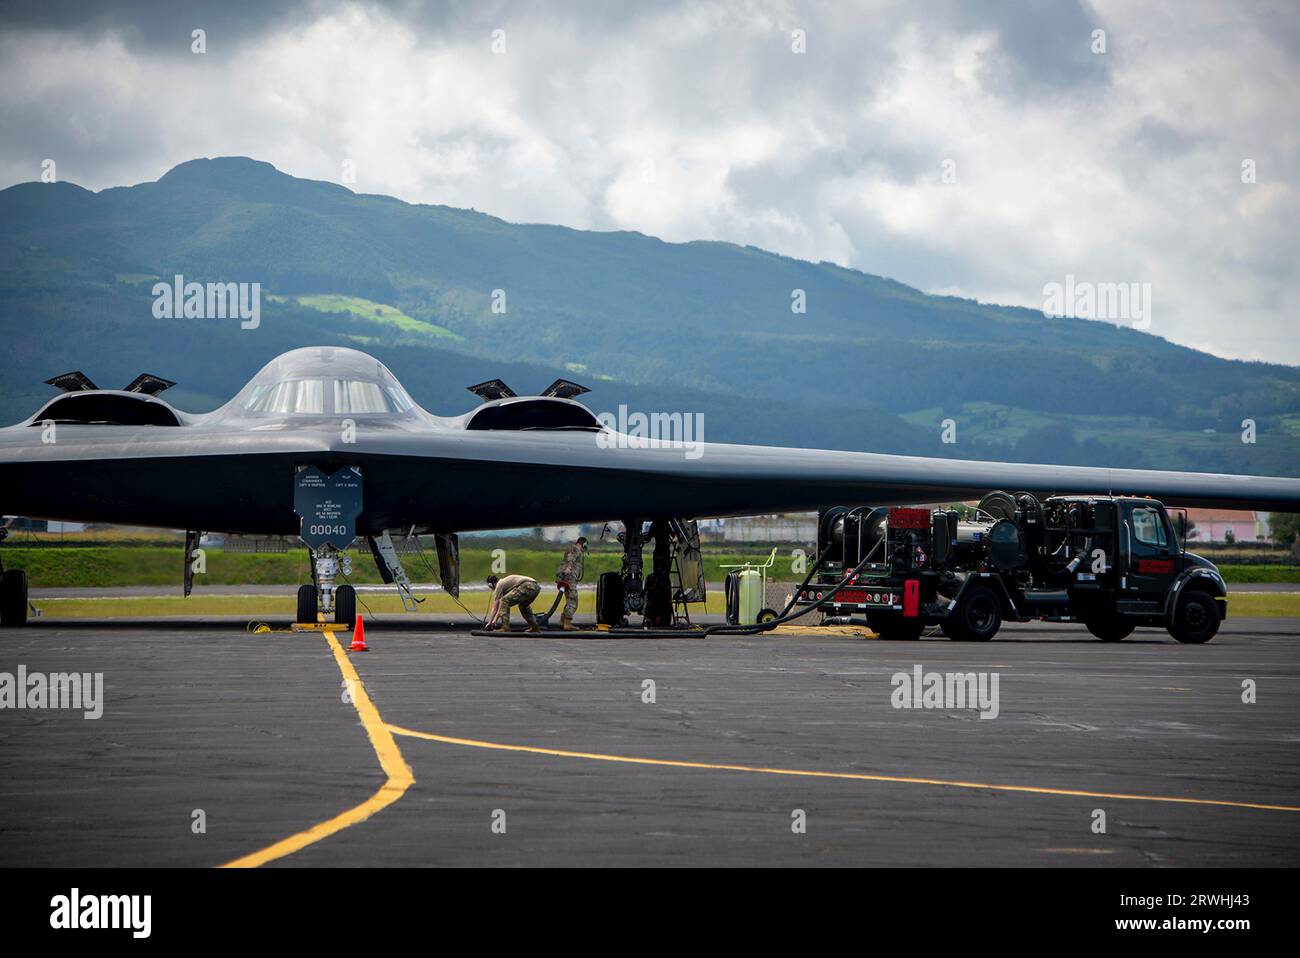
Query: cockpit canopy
{"type": "Point", "coordinates": [324, 381]}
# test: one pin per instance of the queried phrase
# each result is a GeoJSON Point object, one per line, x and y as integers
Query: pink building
{"type": "Point", "coordinates": [1213, 525]}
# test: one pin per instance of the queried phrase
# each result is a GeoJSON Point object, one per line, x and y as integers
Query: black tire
{"type": "Point", "coordinates": [898, 629]}
{"type": "Point", "coordinates": [13, 598]}
{"type": "Point", "coordinates": [977, 615]}
{"type": "Point", "coordinates": [609, 598]}
{"type": "Point", "coordinates": [307, 604]}
{"type": "Point", "coordinates": [1196, 618]}
{"type": "Point", "coordinates": [345, 606]}
{"type": "Point", "coordinates": [767, 615]}
{"type": "Point", "coordinates": [658, 612]}
{"type": "Point", "coordinates": [1111, 628]}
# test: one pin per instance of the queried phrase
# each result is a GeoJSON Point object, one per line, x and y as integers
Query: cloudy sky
{"type": "Point", "coordinates": [699, 120]}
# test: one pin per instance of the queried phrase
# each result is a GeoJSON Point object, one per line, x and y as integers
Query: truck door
{"type": "Point", "coordinates": [1151, 550]}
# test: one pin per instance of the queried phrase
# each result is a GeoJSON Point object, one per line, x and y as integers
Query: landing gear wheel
{"type": "Point", "coordinates": [977, 617]}
{"type": "Point", "coordinates": [766, 616]}
{"type": "Point", "coordinates": [894, 629]}
{"type": "Point", "coordinates": [13, 598]}
{"type": "Point", "coordinates": [1110, 629]}
{"type": "Point", "coordinates": [609, 599]}
{"type": "Point", "coordinates": [345, 606]}
{"type": "Point", "coordinates": [307, 604]}
{"type": "Point", "coordinates": [1195, 619]}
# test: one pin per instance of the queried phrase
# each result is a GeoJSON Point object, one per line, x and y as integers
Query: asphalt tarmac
{"type": "Point", "coordinates": [439, 748]}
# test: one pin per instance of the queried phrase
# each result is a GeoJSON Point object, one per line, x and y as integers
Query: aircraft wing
{"type": "Point", "coordinates": [535, 478]}
{"type": "Point", "coordinates": [128, 457]}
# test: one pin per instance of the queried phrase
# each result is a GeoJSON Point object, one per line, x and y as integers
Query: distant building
{"type": "Point", "coordinates": [1222, 525]}
{"type": "Point", "coordinates": [795, 527]}
{"type": "Point", "coordinates": [564, 533]}
{"type": "Point", "coordinates": [23, 524]}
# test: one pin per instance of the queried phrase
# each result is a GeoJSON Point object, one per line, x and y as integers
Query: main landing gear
{"type": "Point", "coordinates": [13, 593]}
{"type": "Point", "coordinates": [13, 597]}
{"type": "Point", "coordinates": [662, 597]}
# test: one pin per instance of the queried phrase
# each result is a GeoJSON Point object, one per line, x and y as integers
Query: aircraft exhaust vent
{"type": "Point", "coordinates": [492, 389]}
{"type": "Point", "coordinates": [74, 382]}
{"type": "Point", "coordinates": [146, 384]}
{"type": "Point", "coordinates": [149, 384]}
{"type": "Point", "coordinates": [563, 389]}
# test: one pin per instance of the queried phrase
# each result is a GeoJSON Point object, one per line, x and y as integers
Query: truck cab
{"type": "Point", "coordinates": [1154, 580]}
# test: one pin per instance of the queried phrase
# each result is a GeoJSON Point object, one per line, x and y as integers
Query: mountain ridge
{"type": "Point", "coordinates": [707, 318]}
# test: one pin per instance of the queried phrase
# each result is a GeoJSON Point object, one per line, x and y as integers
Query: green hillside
{"type": "Point", "coordinates": [705, 326]}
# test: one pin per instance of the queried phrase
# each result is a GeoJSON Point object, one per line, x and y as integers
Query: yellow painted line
{"type": "Point", "coordinates": [399, 774]}
{"type": "Point", "coordinates": [851, 776]}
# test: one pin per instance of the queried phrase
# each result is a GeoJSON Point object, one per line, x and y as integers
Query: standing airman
{"type": "Point", "coordinates": [567, 578]}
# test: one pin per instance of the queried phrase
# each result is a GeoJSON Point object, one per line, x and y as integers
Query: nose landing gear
{"type": "Point", "coordinates": [323, 597]}
{"type": "Point", "coordinates": [328, 507]}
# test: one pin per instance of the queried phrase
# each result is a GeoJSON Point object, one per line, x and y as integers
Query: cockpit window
{"type": "Point", "coordinates": [355, 396]}
{"type": "Point", "coordinates": [324, 381]}
{"type": "Point", "coordinates": [296, 396]}
{"type": "Point", "coordinates": [401, 401]}
{"type": "Point", "coordinates": [307, 397]}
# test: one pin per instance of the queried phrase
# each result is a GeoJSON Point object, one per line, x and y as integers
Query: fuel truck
{"type": "Point", "coordinates": [1112, 563]}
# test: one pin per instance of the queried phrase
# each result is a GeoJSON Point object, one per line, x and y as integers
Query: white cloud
{"type": "Point", "coordinates": [697, 121]}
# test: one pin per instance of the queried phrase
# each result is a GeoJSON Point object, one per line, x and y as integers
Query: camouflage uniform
{"type": "Point", "coordinates": [521, 594]}
{"type": "Point", "coordinates": [568, 576]}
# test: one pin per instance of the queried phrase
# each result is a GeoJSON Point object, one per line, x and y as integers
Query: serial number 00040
{"type": "Point", "coordinates": [327, 530]}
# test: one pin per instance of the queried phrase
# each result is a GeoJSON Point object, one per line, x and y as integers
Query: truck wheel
{"type": "Point", "coordinates": [1196, 618]}
{"type": "Point", "coordinates": [978, 615]}
{"type": "Point", "coordinates": [13, 598]}
{"type": "Point", "coordinates": [345, 606]}
{"type": "Point", "coordinates": [1111, 628]}
{"type": "Point", "coordinates": [307, 604]}
{"type": "Point", "coordinates": [895, 629]}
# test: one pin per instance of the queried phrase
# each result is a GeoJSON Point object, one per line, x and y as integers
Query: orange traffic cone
{"type": "Point", "coordinates": [359, 637]}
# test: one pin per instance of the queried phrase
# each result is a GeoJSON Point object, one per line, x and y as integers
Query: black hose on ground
{"type": "Point", "coordinates": [545, 617]}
